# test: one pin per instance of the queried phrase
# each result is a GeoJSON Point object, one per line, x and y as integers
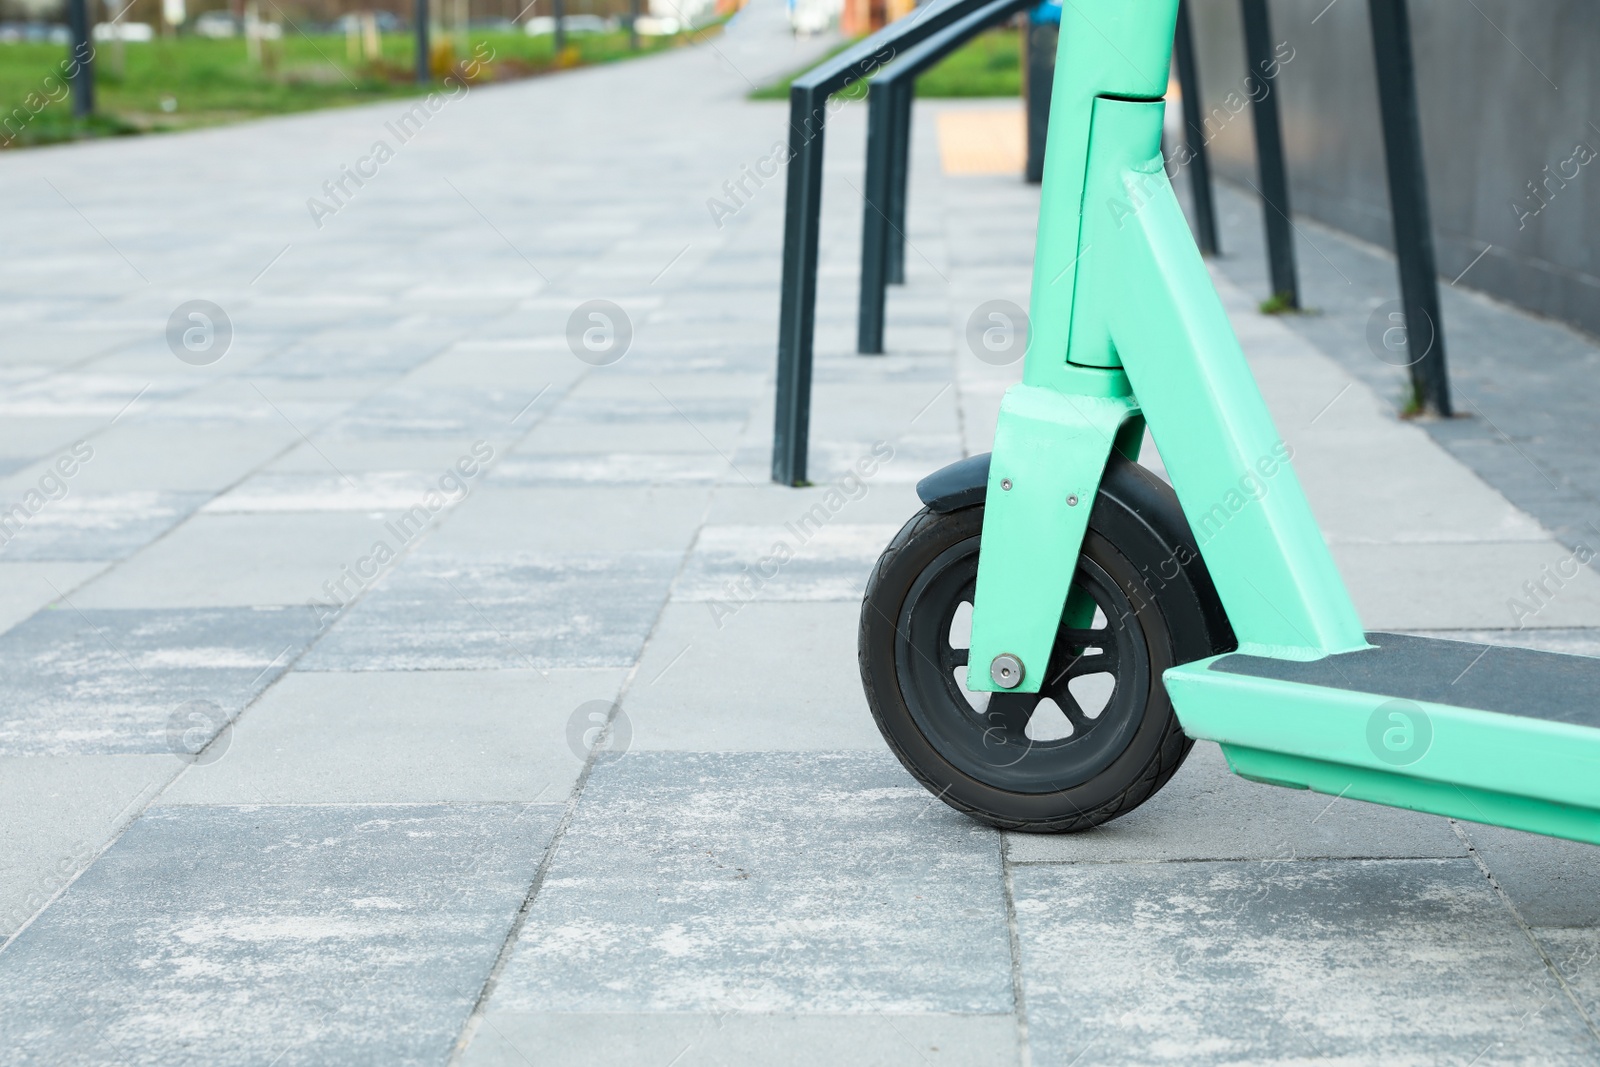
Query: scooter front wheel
{"type": "Point", "coordinates": [1100, 737]}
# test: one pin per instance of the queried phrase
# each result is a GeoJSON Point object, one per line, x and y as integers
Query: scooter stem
{"type": "Point", "coordinates": [1126, 327]}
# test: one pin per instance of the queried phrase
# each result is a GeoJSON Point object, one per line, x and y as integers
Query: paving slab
{"type": "Point", "coordinates": [27, 587]}
{"type": "Point", "coordinates": [573, 519]}
{"type": "Point", "coordinates": [347, 458]}
{"type": "Point", "coordinates": [767, 677]}
{"type": "Point", "coordinates": [430, 411]}
{"type": "Point", "coordinates": [107, 682]}
{"type": "Point", "coordinates": [95, 526]}
{"type": "Point", "coordinates": [1551, 882]}
{"type": "Point", "coordinates": [1398, 961]}
{"type": "Point", "coordinates": [488, 612]}
{"type": "Point", "coordinates": [34, 436]}
{"type": "Point", "coordinates": [391, 491]}
{"type": "Point", "coordinates": [1207, 813]}
{"type": "Point", "coordinates": [102, 395]}
{"type": "Point", "coordinates": [295, 935]}
{"type": "Point", "coordinates": [699, 882]}
{"type": "Point", "coordinates": [614, 469]}
{"type": "Point", "coordinates": [1575, 954]}
{"type": "Point", "coordinates": [78, 804]}
{"type": "Point", "coordinates": [148, 454]}
{"type": "Point", "coordinates": [557, 435]}
{"type": "Point", "coordinates": [885, 501]}
{"type": "Point", "coordinates": [225, 560]}
{"type": "Point", "coordinates": [814, 557]}
{"type": "Point", "coordinates": [403, 737]}
{"type": "Point", "coordinates": [687, 1039]}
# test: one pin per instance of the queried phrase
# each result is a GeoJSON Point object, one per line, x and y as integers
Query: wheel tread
{"type": "Point", "coordinates": [1167, 757]}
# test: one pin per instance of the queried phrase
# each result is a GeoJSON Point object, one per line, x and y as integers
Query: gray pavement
{"type": "Point", "coordinates": [306, 667]}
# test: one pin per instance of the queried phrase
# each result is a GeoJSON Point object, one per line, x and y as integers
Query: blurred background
{"type": "Point", "coordinates": [163, 65]}
{"type": "Point", "coordinates": [174, 64]}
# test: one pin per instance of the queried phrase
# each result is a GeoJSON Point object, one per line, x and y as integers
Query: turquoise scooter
{"type": "Point", "coordinates": [1043, 643]}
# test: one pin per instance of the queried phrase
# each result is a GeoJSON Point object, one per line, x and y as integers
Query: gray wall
{"type": "Point", "coordinates": [1506, 88]}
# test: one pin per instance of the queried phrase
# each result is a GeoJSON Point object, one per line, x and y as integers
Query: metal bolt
{"type": "Point", "coordinates": [1072, 501]}
{"type": "Point", "coordinates": [1006, 670]}
{"type": "Point", "coordinates": [1005, 483]}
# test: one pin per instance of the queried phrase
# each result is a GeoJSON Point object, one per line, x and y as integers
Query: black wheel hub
{"type": "Point", "coordinates": [1088, 707]}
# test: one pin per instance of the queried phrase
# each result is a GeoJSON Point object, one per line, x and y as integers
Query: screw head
{"type": "Point", "coordinates": [1006, 671]}
{"type": "Point", "coordinates": [1005, 483]}
{"type": "Point", "coordinates": [1072, 501]}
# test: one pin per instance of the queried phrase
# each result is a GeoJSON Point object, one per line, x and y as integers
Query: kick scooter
{"type": "Point", "coordinates": [1042, 644]}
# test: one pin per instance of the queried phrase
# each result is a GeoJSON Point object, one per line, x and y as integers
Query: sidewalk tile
{"type": "Point", "coordinates": [117, 681]}
{"type": "Point", "coordinates": [57, 812]}
{"type": "Point", "coordinates": [712, 882]}
{"type": "Point", "coordinates": [786, 678]}
{"type": "Point", "coordinates": [328, 737]}
{"type": "Point", "coordinates": [573, 1039]}
{"type": "Point", "coordinates": [99, 526]}
{"type": "Point", "coordinates": [812, 558]}
{"type": "Point", "coordinates": [493, 613]}
{"type": "Point", "coordinates": [1409, 961]}
{"type": "Point", "coordinates": [286, 935]}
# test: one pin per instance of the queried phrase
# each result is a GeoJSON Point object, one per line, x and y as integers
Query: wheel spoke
{"type": "Point", "coordinates": [956, 657]}
{"type": "Point", "coordinates": [1084, 636]}
{"type": "Point", "coordinates": [1102, 662]}
{"type": "Point", "coordinates": [1073, 710]}
{"type": "Point", "coordinates": [1009, 712]}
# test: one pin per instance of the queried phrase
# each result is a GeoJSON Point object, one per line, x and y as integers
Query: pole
{"type": "Point", "coordinates": [81, 58]}
{"type": "Point", "coordinates": [424, 55]}
{"type": "Point", "coordinates": [797, 304]}
{"type": "Point", "coordinates": [1039, 45]}
{"type": "Point", "coordinates": [1270, 167]}
{"type": "Point", "coordinates": [561, 27]}
{"type": "Point", "coordinates": [1408, 204]}
{"type": "Point", "coordinates": [901, 96]}
{"type": "Point", "coordinates": [633, 24]}
{"type": "Point", "coordinates": [1205, 211]}
{"type": "Point", "coordinates": [875, 220]}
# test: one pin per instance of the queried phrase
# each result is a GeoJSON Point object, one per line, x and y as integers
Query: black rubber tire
{"type": "Point", "coordinates": [1140, 553]}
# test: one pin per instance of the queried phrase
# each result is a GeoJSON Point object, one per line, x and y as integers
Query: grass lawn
{"type": "Point", "coordinates": [195, 81]}
{"type": "Point", "coordinates": [988, 65]}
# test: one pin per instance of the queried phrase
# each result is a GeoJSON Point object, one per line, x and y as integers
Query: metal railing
{"type": "Point", "coordinates": [883, 221]}
{"type": "Point", "coordinates": [940, 28]}
{"type": "Point", "coordinates": [1408, 190]}
{"type": "Point", "coordinates": [808, 99]}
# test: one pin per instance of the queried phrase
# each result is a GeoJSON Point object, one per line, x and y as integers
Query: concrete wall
{"type": "Point", "coordinates": [1506, 89]}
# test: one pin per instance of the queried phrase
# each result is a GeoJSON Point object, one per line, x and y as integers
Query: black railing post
{"type": "Point", "coordinates": [901, 97]}
{"type": "Point", "coordinates": [1040, 39]}
{"type": "Point", "coordinates": [797, 304]}
{"type": "Point", "coordinates": [424, 53]}
{"type": "Point", "coordinates": [883, 238]}
{"type": "Point", "coordinates": [797, 308]}
{"type": "Point", "coordinates": [1408, 204]}
{"type": "Point", "coordinates": [1199, 163]}
{"type": "Point", "coordinates": [80, 20]}
{"type": "Point", "coordinates": [1273, 174]}
{"type": "Point", "coordinates": [875, 221]}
